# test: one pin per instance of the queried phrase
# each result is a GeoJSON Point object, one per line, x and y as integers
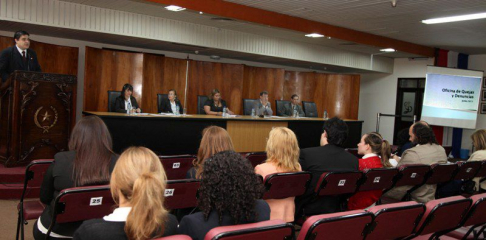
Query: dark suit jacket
{"type": "Point", "coordinates": [286, 110]}
{"type": "Point", "coordinates": [196, 227]}
{"type": "Point", "coordinates": [318, 160]}
{"type": "Point", "coordinates": [11, 60]}
{"type": "Point", "coordinates": [120, 104]}
{"type": "Point", "coordinates": [59, 176]}
{"type": "Point", "coordinates": [99, 229]}
{"type": "Point", "coordinates": [167, 109]}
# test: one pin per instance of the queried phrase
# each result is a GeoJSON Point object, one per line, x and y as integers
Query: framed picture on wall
{"type": "Point", "coordinates": [484, 83]}
{"type": "Point", "coordinates": [483, 95]}
{"type": "Point", "coordinates": [482, 110]}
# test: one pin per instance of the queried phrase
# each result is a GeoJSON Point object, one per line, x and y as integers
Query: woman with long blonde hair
{"type": "Point", "coordinates": [479, 143]}
{"type": "Point", "coordinates": [282, 156]}
{"type": "Point", "coordinates": [137, 185]}
{"type": "Point", "coordinates": [214, 140]}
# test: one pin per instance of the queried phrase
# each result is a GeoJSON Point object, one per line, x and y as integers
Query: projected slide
{"type": "Point", "coordinates": [451, 97]}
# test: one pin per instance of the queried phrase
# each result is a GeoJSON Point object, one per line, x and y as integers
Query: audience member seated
{"type": "Point", "coordinates": [263, 107]}
{"type": "Point", "coordinates": [287, 110]}
{"type": "Point", "coordinates": [229, 195]}
{"type": "Point", "coordinates": [215, 105]}
{"type": "Point", "coordinates": [479, 142]}
{"type": "Point", "coordinates": [330, 156]}
{"type": "Point", "coordinates": [282, 156]}
{"type": "Point", "coordinates": [137, 186]}
{"type": "Point", "coordinates": [126, 102]}
{"type": "Point", "coordinates": [376, 153]}
{"type": "Point", "coordinates": [89, 161]}
{"type": "Point", "coordinates": [172, 104]}
{"type": "Point", "coordinates": [403, 141]}
{"type": "Point", "coordinates": [427, 151]}
{"type": "Point", "coordinates": [215, 139]}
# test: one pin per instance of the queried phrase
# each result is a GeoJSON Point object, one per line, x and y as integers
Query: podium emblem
{"type": "Point", "coordinates": [48, 119]}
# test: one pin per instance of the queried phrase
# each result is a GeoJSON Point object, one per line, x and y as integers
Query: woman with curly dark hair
{"type": "Point", "coordinates": [229, 195]}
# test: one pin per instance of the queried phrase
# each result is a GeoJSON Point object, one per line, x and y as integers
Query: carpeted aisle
{"type": "Point", "coordinates": [8, 221]}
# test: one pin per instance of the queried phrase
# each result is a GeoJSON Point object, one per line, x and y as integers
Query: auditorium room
{"type": "Point", "coordinates": [242, 119]}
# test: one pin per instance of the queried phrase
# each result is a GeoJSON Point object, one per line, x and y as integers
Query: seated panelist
{"type": "Point", "coordinates": [126, 101]}
{"type": "Point", "coordinates": [214, 105]}
{"type": "Point", "coordinates": [288, 109]}
{"type": "Point", "coordinates": [172, 103]}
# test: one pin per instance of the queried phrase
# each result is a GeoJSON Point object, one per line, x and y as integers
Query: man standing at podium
{"type": "Point", "coordinates": [18, 57]}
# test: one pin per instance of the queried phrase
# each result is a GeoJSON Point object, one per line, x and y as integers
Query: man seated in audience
{"type": "Point", "coordinates": [287, 110]}
{"type": "Point", "coordinates": [262, 106]}
{"type": "Point", "coordinates": [330, 156]}
{"type": "Point", "coordinates": [426, 151]}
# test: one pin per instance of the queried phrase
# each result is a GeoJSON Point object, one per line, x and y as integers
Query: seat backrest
{"type": "Point", "coordinates": [34, 174]}
{"type": "Point", "coordinates": [272, 229]}
{"type": "Point", "coordinates": [482, 171]}
{"type": "Point", "coordinates": [284, 185]}
{"type": "Point", "coordinates": [177, 166]}
{"type": "Point", "coordinates": [476, 215]}
{"type": "Point", "coordinates": [411, 175]}
{"type": "Point", "coordinates": [160, 99]}
{"type": "Point", "coordinates": [467, 170]}
{"type": "Point", "coordinates": [112, 95]}
{"type": "Point", "coordinates": [443, 214]}
{"type": "Point", "coordinates": [201, 99]}
{"type": "Point", "coordinates": [279, 104]}
{"type": "Point", "coordinates": [174, 237]}
{"type": "Point", "coordinates": [343, 225]}
{"type": "Point", "coordinates": [441, 173]}
{"type": "Point", "coordinates": [337, 183]}
{"type": "Point", "coordinates": [82, 203]}
{"type": "Point", "coordinates": [378, 179]}
{"type": "Point", "coordinates": [310, 109]}
{"type": "Point", "coordinates": [256, 158]}
{"type": "Point", "coordinates": [248, 105]}
{"type": "Point", "coordinates": [394, 221]}
{"type": "Point", "coordinates": [181, 193]}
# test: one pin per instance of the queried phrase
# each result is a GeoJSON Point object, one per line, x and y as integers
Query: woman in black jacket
{"type": "Point", "coordinates": [89, 161]}
{"type": "Point", "coordinates": [172, 103]}
{"type": "Point", "coordinates": [126, 101]}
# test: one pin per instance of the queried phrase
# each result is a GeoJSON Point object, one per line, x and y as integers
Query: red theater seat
{"type": "Point", "coordinates": [177, 166]}
{"type": "Point", "coordinates": [474, 219]}
{"type": "Point", "coordinates": [377, 179]}
{"type": "Point", "coordinates": [256, 158]}
{"type": "Point", "coordinates": [267, 230]}
{"type": "Point", "coordinates": [408, 175]}
{"type": "Point", "coordinates": [467, 170]}
{"type": "Point", "coordinates": [175, 237]}
{"type": "Point", "coordinates": [284, 185]}
{"type": "Point", "coordinates": [81, 203]}
{"type": "Point", "coordinates": [394, 221]}
{"type": "Point", "coordinates": [337, 183]}
{"type": "Point", "coordinates": [34, 175]}
{"type": "Point", "coordinates": [181, 193]}
{"type": "Point", "coordinates": [441, 216]}
{"type": "Point", "coordinates": [344, 225]}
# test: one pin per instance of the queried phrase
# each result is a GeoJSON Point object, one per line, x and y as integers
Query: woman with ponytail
{"type": "Point", "coordinates": [376, 153]}
{"type": "Point", "coordinates": [137, 186]}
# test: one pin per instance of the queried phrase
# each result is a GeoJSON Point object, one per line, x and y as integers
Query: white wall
{"type": "Point", "coordinates": [476, 62]}
{"type": "Point", "coordinates": [378, 94]}
{"type": "Point", "coordinates": [82, 46]}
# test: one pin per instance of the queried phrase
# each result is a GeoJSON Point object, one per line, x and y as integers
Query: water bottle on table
{"type": "Point", "coordinates": [177, 113]}
{"type": "Point", "coordinates": [224, 112]}
{"type": "Point", "coordinates": [253, 113]}
{"type": "Point", "coordinates": [325, 115]}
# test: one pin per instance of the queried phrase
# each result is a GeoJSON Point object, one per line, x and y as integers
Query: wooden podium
{"type": "Point", "coordinates": [37, 113]}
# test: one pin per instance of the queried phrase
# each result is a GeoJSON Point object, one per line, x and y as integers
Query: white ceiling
{"type": "Point", "coordinates": [402, 22]}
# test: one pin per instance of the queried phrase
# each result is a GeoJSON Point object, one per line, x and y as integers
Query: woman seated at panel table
{"type": "Point", "coordinates": [215, 105]}
{"type": "Point", "coordinates": [172, 104]}
{"type": "Point", "coordinates": [126, 101]}
{"type": "Point", "coordinates": [229, 194]}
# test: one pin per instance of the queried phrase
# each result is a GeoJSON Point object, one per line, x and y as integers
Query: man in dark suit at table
{"type": "Point", "coordinates": [330, 156]}
{"type": "Point", "coordinates": [262, 106]}
{"type": "Point", "coordinates": [18, 57]}
{"type": "Point", "coordinates": [287, 109]}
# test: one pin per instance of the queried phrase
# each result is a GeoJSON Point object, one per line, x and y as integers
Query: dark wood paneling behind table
{"type": "Point", "coordinates": [109, 70]}
{"type": "Point", "coordinates": [115, 69]}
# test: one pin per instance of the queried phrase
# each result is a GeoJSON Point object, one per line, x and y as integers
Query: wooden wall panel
{"type": "Point", "coordinates": [175, 77]}
{"type": "Point", "coordinates": [153, 78]}
{"type": "Point", "coordinates": [258, 79]}
{"type": "Point", "coordinates": [117, 68]}
{"type": "Point", "coordinates": [341, 96]}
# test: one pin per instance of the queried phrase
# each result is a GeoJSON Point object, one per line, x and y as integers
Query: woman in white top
{"type": "Point", "coordinates": [479, 142]}
{"type": "Point", "coordinates": [172, 104]}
